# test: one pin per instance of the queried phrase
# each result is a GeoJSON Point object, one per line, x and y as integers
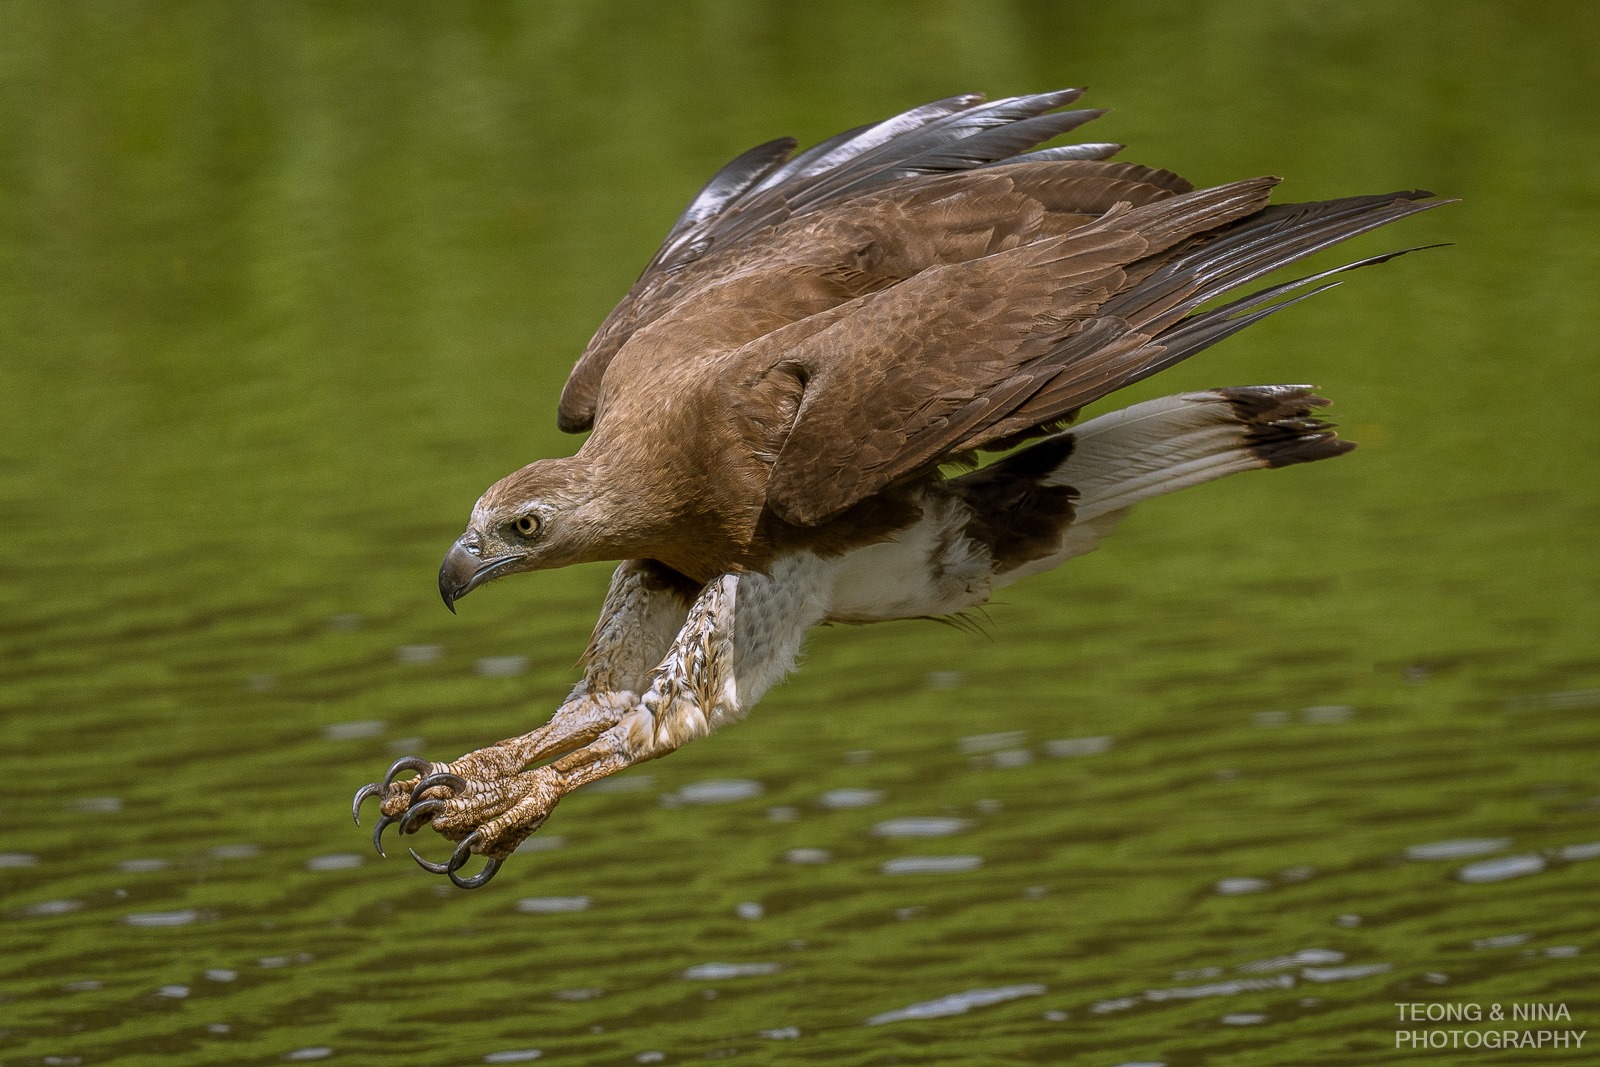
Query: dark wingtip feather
{"type": "Point", "coordinates": [733, 181]}
{"type": "Point", "coordinates": [1063, 153]}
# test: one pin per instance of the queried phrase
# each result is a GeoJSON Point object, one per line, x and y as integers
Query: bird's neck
{"type": "Point", "coordinates": [622, 506]}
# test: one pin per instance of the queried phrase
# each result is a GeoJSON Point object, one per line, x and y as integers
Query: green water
{"type": "Point", "coordinates": [283, 287]}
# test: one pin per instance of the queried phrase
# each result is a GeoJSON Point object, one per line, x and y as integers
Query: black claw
{"type": "Point", "coordinates": [463, 852]}
{"type": "Point", "coordinates": [454, 781]}
{"type": "Point", "coordinates": [413, 819]}
{"type": "Point", "coordinates": [371, 789]}
{"type": "Point", "coordinates": [479, 879]}
{"type": "Point", "coordinates": [377, 835]}
{"type": "Point", "coordinates": [407, 763]}
{"type": "Point", "coordinates": [428, 865]}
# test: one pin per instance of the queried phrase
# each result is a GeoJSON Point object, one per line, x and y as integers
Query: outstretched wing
{"type": "Point", "coordinates": [764, 187]}
{"type": "Point", "coordinates": [969, 354]}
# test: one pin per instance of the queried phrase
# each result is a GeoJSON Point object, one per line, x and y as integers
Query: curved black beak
{"type": "Point", "coordinates": [464, 569]}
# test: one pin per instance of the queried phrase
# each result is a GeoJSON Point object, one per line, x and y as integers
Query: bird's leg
{"type": "Point", "coordinates": [643, 610]}
{"type": "Point", "coordinates": [740, 636]}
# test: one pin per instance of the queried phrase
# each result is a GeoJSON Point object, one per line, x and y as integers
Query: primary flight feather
{"type": "Point", "coordinates": [773, 403]}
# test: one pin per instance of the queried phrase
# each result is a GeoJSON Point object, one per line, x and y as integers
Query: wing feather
{"type": "Point", "coordinates": [763, 188]}
{"type": "Point", "coordinates": [1076, 317]}
{"type": "Point", "coordinates": [729, 184]}
{"type": "Point", "coordinates": [1158, 313]}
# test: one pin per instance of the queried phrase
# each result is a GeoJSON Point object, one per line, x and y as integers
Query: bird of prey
{"type": "Point", "coordinates": [787, 409]}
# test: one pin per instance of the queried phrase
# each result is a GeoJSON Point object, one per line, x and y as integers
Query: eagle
{"type": "Point", "coordinates": [845, 390]}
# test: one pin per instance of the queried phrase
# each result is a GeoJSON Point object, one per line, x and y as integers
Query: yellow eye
{"type": "Point", "coordinates": [526, 526]}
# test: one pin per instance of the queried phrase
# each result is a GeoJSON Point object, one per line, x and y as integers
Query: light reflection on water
{"type": "Point", "coordinates": [292, 286]}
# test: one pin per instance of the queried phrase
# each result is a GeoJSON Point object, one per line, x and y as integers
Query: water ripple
{"type": "Point", "coordinates": [1498, 870]}
{"type": "Point", "coordinates": [931, 864]}
{"type": "Point", "coordinates": [52, 907]}
{"type": "Point", "coordinates": [1327, 714]}
{"type": "Point", "coordinates": [1344, 974]}
{"type": "Point", "coordinates": [235, 852]}
{"type": "Point", "coordinates": [1115, 1004]}
{"type": "Point", "coordinates": [808, 855]}
{"type": "Point", "coordinates": [1457, 848]}
{"type": "Point", "coordinates": [920, 826]}
{"type": "Point", "coordinates": [161, 918]}
{"type": "Point", "coordinates": [142, 866]}
{"type": "Point", "coordinates": [500, 666]}
{"type": "Point", "coordinates": [1221, 989]}
{"type": "Point", "coordinates": [717, 791]}
{"type": "Point", "coordinates": [1587, 851]}
{"type": "Point", "coordinates": [850, 798]}
{"type": "Point", "coordinates": [977, 744]}
{"type": "Point", "coordinates": [1078, 746]}
{"type": "Point", "coordinates": [957, 1003]}
{"type": "Point", "coordinates": [1500, 941]}
{"type": "Point", "coordinates": [552, 905]}
{"type": "Point", "coordinates": [718, 972]}
{"type": "Point", "coordinates": [1305, 957]}
{"type": "Point", "coordinates": [355, 730]}
{"type": "Point", "coordinates": [1232, 887]}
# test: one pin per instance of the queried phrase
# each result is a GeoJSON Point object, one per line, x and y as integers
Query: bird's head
{"type": "Point", "coordinates": [534, 519]}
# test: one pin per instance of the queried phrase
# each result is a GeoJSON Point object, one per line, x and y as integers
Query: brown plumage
{"type": "Point", "coordinates": [773, 401]}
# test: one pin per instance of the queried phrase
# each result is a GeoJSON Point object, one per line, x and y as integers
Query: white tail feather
{"type": "Point", "coordinates": [1151, 449]}
{"type": "Point", "coordinates": [1016, 517]}
{"type": "Point", "coordinates": [1161, 446]}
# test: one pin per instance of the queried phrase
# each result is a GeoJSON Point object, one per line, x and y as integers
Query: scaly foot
{"type": "Point", "coordinates": [485, 814]}
{"type": "Point", "coordinates": [487, 801]}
